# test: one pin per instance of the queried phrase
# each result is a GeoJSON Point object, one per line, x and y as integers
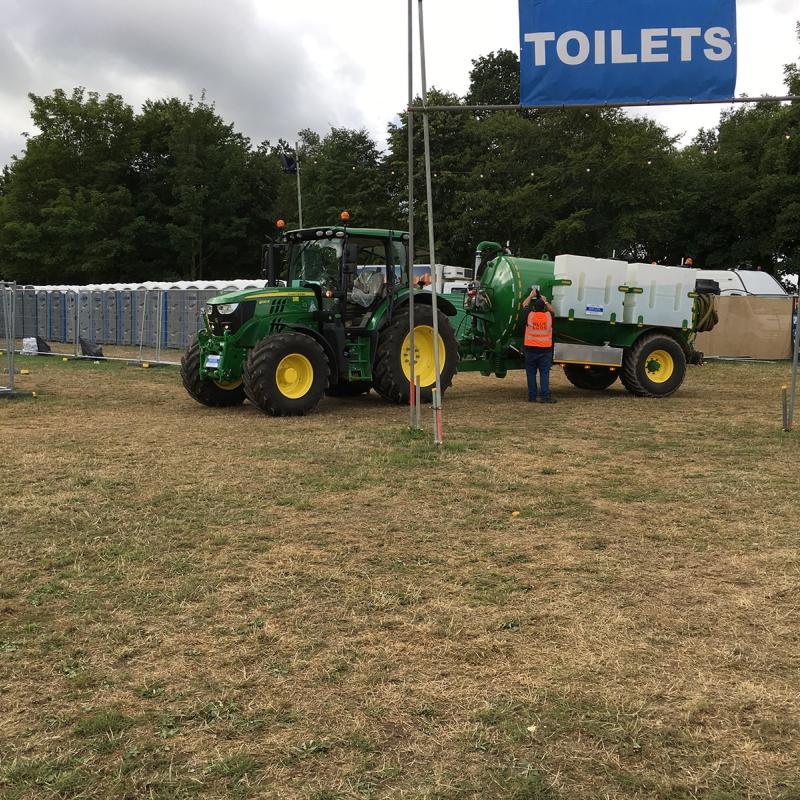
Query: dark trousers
{"type": "Point", "coordinates": [538, 361]}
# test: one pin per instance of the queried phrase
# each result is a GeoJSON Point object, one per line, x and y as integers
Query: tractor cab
{"type": "Point", "coordinates": [352, 271]}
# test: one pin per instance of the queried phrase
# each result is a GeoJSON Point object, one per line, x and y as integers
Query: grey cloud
{"type": "Point", "coordinates": [255, 68]}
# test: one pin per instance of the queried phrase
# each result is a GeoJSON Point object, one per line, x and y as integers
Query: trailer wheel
{"type": "Point", "coordinates": [286, 374]}
{"type": "Point", "coordinates": [393, 358]}
{"type": "Point", "coordinates": [349, 389]}
{"type": "Point", "coordinates": [654, 366]}
{"type": "Point", "coordinates": [208, 392]}
{"type": "Point", "coordinates": [593, 378]}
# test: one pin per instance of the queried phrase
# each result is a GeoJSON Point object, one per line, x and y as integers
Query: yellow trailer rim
{"type": "Point", "coordinates": [660, 366]}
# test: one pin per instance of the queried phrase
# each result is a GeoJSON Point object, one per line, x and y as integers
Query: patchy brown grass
{"type": "Point", "coordinates": [215, 604]}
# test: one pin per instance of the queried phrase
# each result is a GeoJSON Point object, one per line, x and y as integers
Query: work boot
{"type": "Point", "coordinates": [548, 400]}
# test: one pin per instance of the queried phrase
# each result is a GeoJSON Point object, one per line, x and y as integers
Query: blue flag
{"type": "Point", "coordinates": [576, 52]}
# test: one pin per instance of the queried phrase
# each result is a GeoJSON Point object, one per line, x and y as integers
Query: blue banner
{"type": "Point", "coordinates": [626, 51]}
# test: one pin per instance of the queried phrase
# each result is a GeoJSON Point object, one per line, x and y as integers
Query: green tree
{"type": "Point", "coordinates": [66, 212]}
{"type": "Point", "coordinates": [344, 171]}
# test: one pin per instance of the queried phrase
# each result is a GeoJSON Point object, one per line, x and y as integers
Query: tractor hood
{"type": "Point", "coordinates": [243, 295]}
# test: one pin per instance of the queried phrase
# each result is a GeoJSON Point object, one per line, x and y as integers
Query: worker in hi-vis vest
{"type": "Point", "coordinates": [538, 346]}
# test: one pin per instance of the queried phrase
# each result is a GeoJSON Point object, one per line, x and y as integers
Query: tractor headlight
{"type": "Point", "coordinates": [225, 309]}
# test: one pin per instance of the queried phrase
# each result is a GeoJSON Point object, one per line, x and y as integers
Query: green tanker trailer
{"type": "Point", "coordinates": [338, 324]}
{"type": "Point", "coordinates": [636, 322]}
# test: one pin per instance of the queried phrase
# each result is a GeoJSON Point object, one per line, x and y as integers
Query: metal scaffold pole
{"type": "Point", "coordinates": [299, 193]}
{"type": "Point", "coordinates": [9, 296]}
{"type": "Point", "coordinates": [413, 400]}
{"type": "Point", "coordinates": [795, 357]}
{"type": "Point", "coordinates": [437, 394]}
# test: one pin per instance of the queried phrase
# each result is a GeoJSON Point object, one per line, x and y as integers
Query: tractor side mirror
{"type": "Point", "coordinates": [271, 261]}
{"type": "Point", "coordinates": [351, 259]}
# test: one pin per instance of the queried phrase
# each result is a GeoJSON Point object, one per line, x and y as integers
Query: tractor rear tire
{"type": "Point", "coordinates": [207, 392]}
{"type": "Point", "coordinates": [349, 389]}
{"type": "Point", "coordinates": [594, 378]}
{"type": "Point", "coordinates": [393, 356]}
{"type": "Point", "coordinates": [654, 366]}
{"type": "Point", "coordinates": [285, 374]}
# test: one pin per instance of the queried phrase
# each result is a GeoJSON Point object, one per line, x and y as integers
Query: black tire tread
{"type": "Point", "coordinates": [630, 365]}
{"type": "Point", "coordinates": [259, 372]}
{"type": "Point", "coordinates": [385, 379]}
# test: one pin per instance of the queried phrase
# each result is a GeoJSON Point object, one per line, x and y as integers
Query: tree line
{"type": "Point", "coordinates": [102, 193]}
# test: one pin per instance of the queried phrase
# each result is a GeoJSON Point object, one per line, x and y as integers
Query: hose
{"type": "Point", "coordinates": [706, 311]}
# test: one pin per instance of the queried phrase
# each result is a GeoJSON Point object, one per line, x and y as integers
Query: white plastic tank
{"type": "Point", "coordinates": [664, 298]}
{"type": "Point", "coordinates": [593, 290]}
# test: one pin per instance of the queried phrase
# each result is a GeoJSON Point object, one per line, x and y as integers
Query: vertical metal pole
{"type": "Point", "coordinates": [299, 193]}
{"type": "Point", "coordinates": [785, 407]}
{"type": "Point", "coordinates": [437, 396]}
{"type": "Point", "coordinates": [795, 356]}
{"type": "Point", "coordinates": [159, 324]}
{"type": "Point", "coordinates": [12, 338]}
{"type": "Point", "coordinates": [412, 394]}
{"type": "Point", "coordinates": [9, 292]}
{"type": "Point", "coordinates": [77, 330]}
{"type": "Point", "coordinates": [418, 409]}
{"type": "Point", "coordinates": [141, 327]}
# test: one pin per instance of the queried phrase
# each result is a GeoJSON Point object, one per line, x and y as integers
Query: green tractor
{"type": "Point", "coordinates": [339, 326]}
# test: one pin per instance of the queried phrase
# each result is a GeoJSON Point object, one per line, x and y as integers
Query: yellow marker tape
{"type": "Point", "coordinates": [24, 372]}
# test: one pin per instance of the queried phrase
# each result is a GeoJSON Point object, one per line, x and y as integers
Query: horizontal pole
{"type": "Point", "coordinates": [637, 104]}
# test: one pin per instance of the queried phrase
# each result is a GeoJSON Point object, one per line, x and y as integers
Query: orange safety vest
{"type": "Point", "coordinates": [539, 329]}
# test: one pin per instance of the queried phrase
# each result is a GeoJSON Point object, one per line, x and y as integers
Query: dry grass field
{"type": "Point", "coordinates": [216, 604]}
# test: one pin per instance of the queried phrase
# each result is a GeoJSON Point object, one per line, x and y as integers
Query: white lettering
{"type": "Point", "coordinates": [686, 35]}
{"type": "Point", "coordinates": [574, 48]}
{"type": "Point", "coordinates": [617, 54]}
{"type": "Point", "coordinates": [654, 39]}
{"type": "Point", "coordinates": [720, 48]}
{"type": "Point", "coordinates": [539, 41]}
{"type": "Point", "coordinates": [599, 47]}
{"type": "Point", "coordinates": [584, 48]}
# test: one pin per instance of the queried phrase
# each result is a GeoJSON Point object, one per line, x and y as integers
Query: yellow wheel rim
{"type": "Point", "coordinates": [424, 361]}
{"type": "Point", "coordinates": [228, 386]}
{"type": "Point", "coordinates": [294, 376]}
{"type": "Point", "coordinates": [660, 366]}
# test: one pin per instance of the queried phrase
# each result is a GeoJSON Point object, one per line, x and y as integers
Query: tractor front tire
{"type": "Point", "coordinates": [349, 389]}
{"type": "Point", "coordinates": [286, 374]}
{"type": "Point", "coordinates": [594, 378]}
{"type": "Point", "coordinates": [393, 357]}
{"type": "Point", "coordinates": [208, 392]}
{"type": "Point", "coordinates": [654, 366]}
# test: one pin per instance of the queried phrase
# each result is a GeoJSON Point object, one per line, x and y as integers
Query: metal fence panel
{"type": "Point", "coordinates": [176, 326]}
{"type": "Point", "coordinates": [42, 314]}
{"type": "Point", "coordinates": [8, 305]}
{"type": "Point", "coordinates": [70, 311]}
{"type": "Point", "coordinates": [125, 317]}
{"type": "Point", "coordinates": [29, 309]}
{"type": "Point", "coordinates": [85, 323]}
{"type": "Point", "coordinates": [19, 306]}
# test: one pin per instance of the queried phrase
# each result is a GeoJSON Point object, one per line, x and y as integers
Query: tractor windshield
{"type": "Point", "coordinates": [316, 261]}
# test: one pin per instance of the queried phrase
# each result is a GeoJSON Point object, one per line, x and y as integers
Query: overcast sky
{"type": "Point", "coordinates": [273, 67]}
